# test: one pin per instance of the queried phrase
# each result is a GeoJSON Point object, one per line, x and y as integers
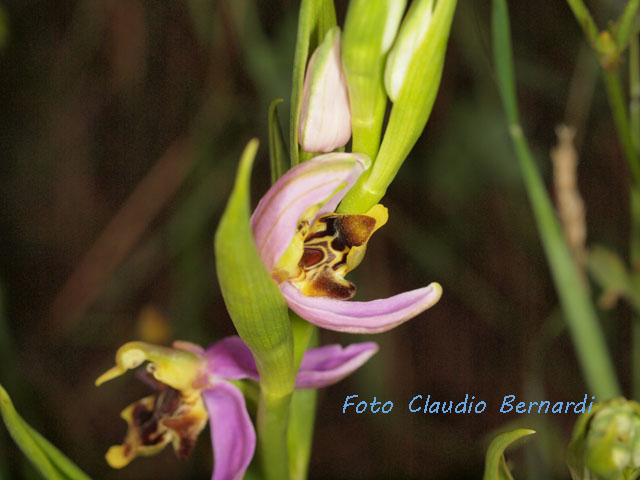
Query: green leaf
{"type": "Point", "coordinates": [46, 458]}
{"type": "Point", "coordinates": [315, 20]}
{"type": "Point", "coordinates": [277, 149]}
{"type": "Point", "coordinates": [253, 299]}
{"type": "Point", "coordinates": [495, 467]}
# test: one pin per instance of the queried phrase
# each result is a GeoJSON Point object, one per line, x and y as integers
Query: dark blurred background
{"type": "Point", "coordinates": [121, 125]}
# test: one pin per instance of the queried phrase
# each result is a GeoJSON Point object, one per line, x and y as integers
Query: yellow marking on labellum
{"type": "Point", "coordinates": [169, 416]}
{"type": "Point", "coordinates": [333, 246]}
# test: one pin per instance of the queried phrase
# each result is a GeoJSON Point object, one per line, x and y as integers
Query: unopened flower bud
{"type": "Point", "coordinates": [606, 442]}
{"type": "Point", "coordinates": [325, 118]}
{"type": "Point", "coordinates": [410, 37]}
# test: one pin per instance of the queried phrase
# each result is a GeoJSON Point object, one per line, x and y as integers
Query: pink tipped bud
{"type": "Point", "coordinates": [325, 117]}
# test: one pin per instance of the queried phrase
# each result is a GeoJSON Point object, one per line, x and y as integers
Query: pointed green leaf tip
{"type": "Point", "coordinates": [253, 299]}
{"type": "Point", "coordinates": [495, 467]}
{"type": "Point", "coordinates": [46, 458]}
{"type": "Point", "coordinates": [278, 156]}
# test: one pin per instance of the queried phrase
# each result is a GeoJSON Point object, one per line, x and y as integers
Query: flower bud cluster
{"type": "Point", "coordinates": [347, 87]}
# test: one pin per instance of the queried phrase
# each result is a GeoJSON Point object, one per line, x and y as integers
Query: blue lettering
{"type": "Point", "coordinates": [347, 402]}
{"type": "Point", "coordinates": [507, 403]}
{"type": "Point", "coordinates": [411, 403]}
{"type": "Point", "coordinates": [390, 403]}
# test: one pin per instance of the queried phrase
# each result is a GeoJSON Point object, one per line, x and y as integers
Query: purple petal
{"type": "Point", "coordinates": [361, 317]}
{"type": "Point", "coordinates": [232, 433]}
{"type": "Point", "coordinates": [329, 364]}
{"type": "Point", "coordinates": [275, 219]}
{"type": "Point", "coordinates": [231, 359]}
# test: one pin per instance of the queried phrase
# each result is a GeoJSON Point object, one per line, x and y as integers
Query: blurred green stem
{"type": "Point", "coordinates": [634, 134]}
{"type": "Point", "coordinates": [273, 417]}
{"type": "Point", "coordinates": [634, 87]}
{"type": "Point", "coordinates": [618, 109]}
{"type": "Point", "coordinates": [583, 323]}
{"type": "Point", "coordinates": [585, 20]}
{"type": "Point", "coordinates": [625, 25]}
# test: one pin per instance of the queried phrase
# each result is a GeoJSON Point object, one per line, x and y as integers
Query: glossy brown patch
{"type": "Point", "coordinates": [325, 283]}
{"type": "Point", "coordinates": [355, 229]}
{"type": "Point", "coordinates": [324, 258]}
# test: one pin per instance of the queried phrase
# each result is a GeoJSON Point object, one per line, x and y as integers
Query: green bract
{"type": "Point", "coordinates": [253, 299]}
{"type": "Point", "coordinates": [419, 57]}
{"type": "Point", "coordinates": [495, 467]}
{"type": "Point", "coordinates": [370, 29]}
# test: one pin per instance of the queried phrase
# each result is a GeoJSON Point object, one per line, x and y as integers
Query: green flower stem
{"type": "Point", "coordinates": [303, 412]}
{"type": "Point", "coordinates": [273, 418]}
{"type": "Point", "coordinates": [585, 20]}
{"type": "Point", "coordinates": [303, 404]}
{"type": "Point", "coordinates": [615, 94]}
{"type": "Point", "coordinates": [581, 318]}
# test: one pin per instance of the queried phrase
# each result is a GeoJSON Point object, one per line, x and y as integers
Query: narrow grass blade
{"type": "Point", "coordinates": [586, 332]}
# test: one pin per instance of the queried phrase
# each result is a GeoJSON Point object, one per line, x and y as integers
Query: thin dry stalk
{"type": "Point", "coordinates": [568, 199]}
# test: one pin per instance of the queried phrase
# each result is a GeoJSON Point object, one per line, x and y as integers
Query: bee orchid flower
{"type": "Point", "coordinates": [195, 386]}
{"type": "Point", "coordinates": [308, 249]}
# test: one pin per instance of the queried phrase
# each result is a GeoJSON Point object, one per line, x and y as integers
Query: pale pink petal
{"type": "Point", "coordinates": [325, 115]}
{"type": "Point", "coordinates": [232, 434]}
{"type": "Point", "coordinates": [326, 178]}
{"type": "Point", "coordinates": [361, 317]}
{"type": "Point", "coordinates": [329, 364]}
{"type": "Point", "coordinates": [230, 358]}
